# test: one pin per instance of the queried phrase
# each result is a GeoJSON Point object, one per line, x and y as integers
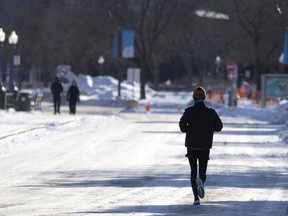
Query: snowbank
{"type": "Point", "coordinates": [103, 90]}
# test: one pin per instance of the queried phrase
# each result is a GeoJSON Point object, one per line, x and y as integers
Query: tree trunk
{"type": "Point", "coordinates": [144, 70]}
{"type": "Point", "coordinates": [258, 66]}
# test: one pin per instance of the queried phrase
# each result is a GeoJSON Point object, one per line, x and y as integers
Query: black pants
{"type": "Point", "coordinates": [202, 156]}
{"type": "Point", "coordinates": [72, 107]}
{"type": "Point", "coordinates": [57, 102]}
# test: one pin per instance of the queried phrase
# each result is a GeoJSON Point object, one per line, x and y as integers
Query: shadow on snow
{"type": "Point", "coordinates": [104, 178]}
{"type": "Point", "coordinates": [207, 208]}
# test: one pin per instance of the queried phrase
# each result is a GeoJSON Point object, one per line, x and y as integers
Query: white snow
{"type": "Point", "coordinates": [110, 160]}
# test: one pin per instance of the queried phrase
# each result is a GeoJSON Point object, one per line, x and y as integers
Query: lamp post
{"type": "Point", "coordinates": [13, 40]}
{"type": "Point", "coordinates": [2, 39]}
{"type": "Point", "coordinates": [101, 61]}
{"type": "Point", "coordinates": [2, 88]}
{"type": "Point", "coordinates": [218, 65]}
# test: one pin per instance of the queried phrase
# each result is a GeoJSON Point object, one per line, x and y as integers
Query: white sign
{"type": "Point", "coordinates": [133, 75]}
{"type": "Point", "coordinates": [63, 70]}
{"type": "Point", "coordinates": [17, 60]}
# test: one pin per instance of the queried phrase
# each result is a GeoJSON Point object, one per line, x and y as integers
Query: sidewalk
{"type": "Point", "coordinates": [47, 107]}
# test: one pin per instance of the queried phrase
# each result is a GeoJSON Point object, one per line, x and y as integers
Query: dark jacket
{"type": "Point", "coordinates": [56, 89]}
{"type": "Point", "coordinates": [73, 94]}
{"type": "Point", "coordinates": [199, 123]}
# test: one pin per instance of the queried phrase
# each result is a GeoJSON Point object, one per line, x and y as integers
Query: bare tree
{"type": "Point", "coordinates": [152, 18]}
{"type": "Point", "coordinates": [256, 20]}
{"type": "Point", "coordinates": [77, 32]}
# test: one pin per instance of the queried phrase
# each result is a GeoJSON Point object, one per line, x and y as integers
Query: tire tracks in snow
{"type": "Point", "coordinates": [20, 132]}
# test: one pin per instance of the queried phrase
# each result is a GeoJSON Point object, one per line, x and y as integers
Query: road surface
{"type": "Point", "coordinates": [134, 164]}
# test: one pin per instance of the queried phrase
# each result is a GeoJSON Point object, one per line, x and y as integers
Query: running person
{"type": "Point", "coordinates": [199, 123]}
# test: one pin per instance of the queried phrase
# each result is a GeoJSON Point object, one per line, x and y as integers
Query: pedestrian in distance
{"type": "Point", "coordinates": [199, 122]}
{"type": "Point", "coordinates": [56, 90]}
{"type": "Point", "coordinates": [73, 97]}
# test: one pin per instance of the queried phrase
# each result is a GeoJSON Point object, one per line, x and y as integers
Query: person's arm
{"type": "Point", "coordinates": [61, 88]}
{"type": "Point", "coordinates": [68, 94]}
{"type": "Point", "coordinates": [218, 123]}
{"type": "Point", "coordinates": [78, 94]}
{"type": "Point", "coordinates": [52, 88]}
{"type": "Point", "coordinates": [183, 123]}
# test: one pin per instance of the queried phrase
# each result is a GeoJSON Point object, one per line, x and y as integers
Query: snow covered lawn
{"type": "Point", "coordinates": [134, 164]}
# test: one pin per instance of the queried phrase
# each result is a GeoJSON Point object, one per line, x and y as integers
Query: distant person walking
{"type": "Point", "coordinates": [73, 97]}
{"type": "Point", "coordinates": [56, 90]}
{"type": "Point", "coordinates": [199, 123]}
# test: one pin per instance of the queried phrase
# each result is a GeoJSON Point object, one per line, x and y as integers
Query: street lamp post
{"type": "Point", "coordinates": [2, 89]}
{"type": "Point", "coordinates": [13, 40]}
{"type": "Point", "coordinates": [2, 39]}
{"type": "Point", "coordinates": [101, 61]}
{"type": "Point", "coordinates": [218, 65]}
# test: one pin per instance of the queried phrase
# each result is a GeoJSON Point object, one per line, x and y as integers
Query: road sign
{"type": "Point", "coordinates": [231, 69]}
{"type": "Point", "coordinates": [231, 66]}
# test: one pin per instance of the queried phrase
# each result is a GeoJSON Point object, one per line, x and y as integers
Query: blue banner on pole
{"type": "Point", "coordinates": [128, 43]}
{"type": "Point", "coordinates": [285, 50]}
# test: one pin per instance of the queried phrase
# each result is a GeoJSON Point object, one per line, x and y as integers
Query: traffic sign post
{"type": "Point", "coordinates": [232, 72]}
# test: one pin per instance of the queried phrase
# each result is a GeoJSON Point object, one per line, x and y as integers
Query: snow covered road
{"type": "Point", "coordinates": [134, 164]}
